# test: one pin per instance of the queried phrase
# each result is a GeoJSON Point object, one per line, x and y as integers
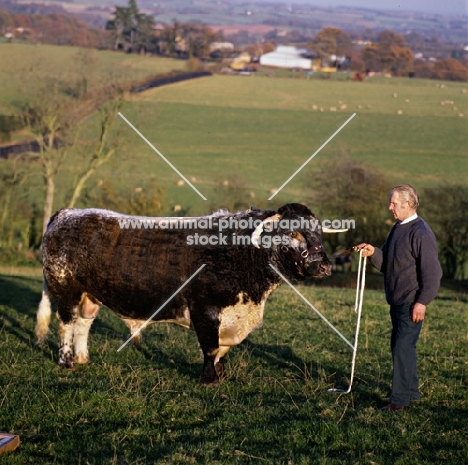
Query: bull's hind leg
{"type": "Point", "coordinates": [66, 343]}
{"type": "Point", "coordinates": [88, 310]}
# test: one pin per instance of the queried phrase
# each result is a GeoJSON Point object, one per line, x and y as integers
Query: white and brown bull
{"type": "Point", "coordinates": [98, 257]}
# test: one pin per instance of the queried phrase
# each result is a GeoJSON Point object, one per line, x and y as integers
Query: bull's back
{"type": "Point", "coordinates": [86, 251]}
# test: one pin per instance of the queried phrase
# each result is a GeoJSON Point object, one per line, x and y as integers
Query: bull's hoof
{"type": "Point", "coordinates": [219, 367]}
{"type": "Point", "coordinates": [82, 359]}
{"type": "Point", "coordinates": [208, 383]}
{"type": "Point", "coordinates": [69, 365]}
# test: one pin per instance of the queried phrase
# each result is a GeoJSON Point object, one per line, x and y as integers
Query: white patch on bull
{"type": "Point", "coordinates": [239, 320]}
{"type": "Point", "coordinates": [80, 339]}
{"type": "Point", "coordinates": [183, 321]}
{"type": "Point", "coordinates": [43, 315]}
{"type": "Point", "coordinates": [89, 306]}
{"type": "Point", "coordinates": [136, 325]}
{"type": "Point", "coordinates": [59, 268]}
{"type": "Point", "coordinates": [221, 352]}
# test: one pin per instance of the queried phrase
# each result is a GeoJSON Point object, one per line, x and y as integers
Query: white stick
{"type": "Point", "coordinates": [361, 282]}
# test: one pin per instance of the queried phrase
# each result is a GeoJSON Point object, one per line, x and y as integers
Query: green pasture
{"type": "Point", "coordinates": [263, 129]}
{"type": "Point", "coordinates": [146, 405]}
{"type": "Point", "coordinates": [24, 68]}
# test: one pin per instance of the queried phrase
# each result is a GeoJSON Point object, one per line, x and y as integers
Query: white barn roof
{"type": "Point", "coordinates": [286, 57]}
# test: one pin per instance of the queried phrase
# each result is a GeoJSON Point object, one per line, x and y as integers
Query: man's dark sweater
{"type": "Point", "coordinates": [410, 264]}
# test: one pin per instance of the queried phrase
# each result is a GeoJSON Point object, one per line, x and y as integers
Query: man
{"type": "Point", "coordinates": [412, 273]}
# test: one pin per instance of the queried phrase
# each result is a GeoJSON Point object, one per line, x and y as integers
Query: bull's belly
{"type": "Point", "coordinates": [239, 320]}
{"type": "Point", "coordinates": [135, 324]}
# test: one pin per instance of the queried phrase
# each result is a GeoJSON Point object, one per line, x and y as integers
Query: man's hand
{"type": "Point", "coordinates": [418, 312]}
{"type": "Point", "coordinates": [367, 249]}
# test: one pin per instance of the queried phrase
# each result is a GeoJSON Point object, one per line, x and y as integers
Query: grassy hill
{"type": "Point", "coordinates": [24, 65]}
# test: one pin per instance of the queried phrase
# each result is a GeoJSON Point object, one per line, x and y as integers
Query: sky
{"type": "Point", "coordinates": [449, 7]}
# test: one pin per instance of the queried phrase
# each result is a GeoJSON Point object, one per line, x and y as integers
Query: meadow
{"type": "Point", "coordinates": [263, 129]}
{"type": "Point", "coordinates": [146, 405]}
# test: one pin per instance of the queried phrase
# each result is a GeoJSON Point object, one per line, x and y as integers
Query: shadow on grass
{"type": "Point", "coordinates": [20, 300]}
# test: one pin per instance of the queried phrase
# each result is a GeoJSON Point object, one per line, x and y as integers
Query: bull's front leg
{"type": "Point", "coordinates": [206, 324]}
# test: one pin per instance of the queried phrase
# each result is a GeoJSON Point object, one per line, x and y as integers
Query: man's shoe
{"type": "Point", "coordinates": [394, 408]}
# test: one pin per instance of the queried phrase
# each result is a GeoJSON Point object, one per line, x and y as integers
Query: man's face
{"type": "Point", "coordinates": [399, 207]}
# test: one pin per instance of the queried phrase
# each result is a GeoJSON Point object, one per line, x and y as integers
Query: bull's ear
{"type": "Point", "coordinates": [332, 231]}
{"type": "Point", "coordinates": [296, 208]}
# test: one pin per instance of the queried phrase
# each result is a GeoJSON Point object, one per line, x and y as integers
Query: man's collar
{"type": "Point", "coordinates": [410, 218]}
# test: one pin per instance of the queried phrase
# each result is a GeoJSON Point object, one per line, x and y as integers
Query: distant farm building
{"type": "Point", "coordinates": [290, 57]}
{"type": "Point", "coordinates": [287, 57]}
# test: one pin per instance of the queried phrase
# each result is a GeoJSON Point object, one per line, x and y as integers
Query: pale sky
{"type": "Point", "coordinates": [450, 7]}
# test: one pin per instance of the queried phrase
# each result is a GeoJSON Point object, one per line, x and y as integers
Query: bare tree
{"type": "Point", "coordinates": [102, 150]}
{"type": "Point", "coordinates": [51, 120]}
{"type": "Point", "coordinates": [10, 181]}
{"type": "Point", "coordinates": [55, 119]}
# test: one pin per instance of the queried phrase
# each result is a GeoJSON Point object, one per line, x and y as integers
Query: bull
{"type": "Point", "coordinates": [92, 257]}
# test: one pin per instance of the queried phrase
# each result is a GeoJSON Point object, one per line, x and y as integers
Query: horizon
{"type": "Point", "coordinates": [447, 8]}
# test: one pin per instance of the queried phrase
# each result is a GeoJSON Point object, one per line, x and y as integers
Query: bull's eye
{"type": "Point", "coordinates": [304, 253]}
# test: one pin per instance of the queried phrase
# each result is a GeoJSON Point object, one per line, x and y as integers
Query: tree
{"type": "Point", "coordinates": [101, 151]}
{"type": "Point", "coordinates": [198, 38]}
{"type": "Point", "coordinates": [54, 119]}
{"type": "Point", "coordinates": [389, 55]}
{"type": "Point", "coordinates": [11, 181]}
{"type": "Point", "coordinates": [331, 41]}
{"type": "Point", "coordinates": [50, 119]}
{"type": "Point", "coordinates": [345, 189]}
{"type": "Point", "coordinates": [132, 29]}
{"type": "Point", "coordinates": [446, 209]}
{"type": "Point", "coordinates": [450, 70]}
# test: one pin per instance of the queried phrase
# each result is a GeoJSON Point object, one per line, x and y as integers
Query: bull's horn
{"type": "Point", "coordinates": [259, 229]}
{"type": "Point", "coordinates": [330, 231]}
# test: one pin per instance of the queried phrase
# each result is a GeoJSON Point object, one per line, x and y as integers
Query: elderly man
{"type": "Point", "coordinates": [412, 273]}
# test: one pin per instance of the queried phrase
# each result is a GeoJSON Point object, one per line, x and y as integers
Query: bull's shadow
{"type": "Point", "coordinates": [20, 298]}
{"type": "Point", "coordinates": [267, 357]}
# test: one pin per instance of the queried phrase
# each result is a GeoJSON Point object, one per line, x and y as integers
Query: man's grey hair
{"type": "Point", "coordinates": [409, 194]}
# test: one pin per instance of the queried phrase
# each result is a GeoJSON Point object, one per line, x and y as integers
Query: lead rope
{"type": "Point", "coordinates": [361, 282]}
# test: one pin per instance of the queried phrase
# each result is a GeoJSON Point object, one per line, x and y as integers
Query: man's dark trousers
{"type": "Point", "coordinates": [405, 334]}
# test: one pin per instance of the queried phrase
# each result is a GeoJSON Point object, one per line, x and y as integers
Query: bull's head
{"type": "Point", "coordinates": [299, 252]}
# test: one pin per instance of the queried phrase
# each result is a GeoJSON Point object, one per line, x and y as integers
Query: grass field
{"type": "Point", "coordinates": [146, 405]}
{"type": "Point", "coordinates": [24, 66]}
{"type": "Point", "coordinates": [264, 129]}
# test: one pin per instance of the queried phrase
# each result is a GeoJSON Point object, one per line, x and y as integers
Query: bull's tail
{"type": "Point", "coordinates": [43, 315]}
